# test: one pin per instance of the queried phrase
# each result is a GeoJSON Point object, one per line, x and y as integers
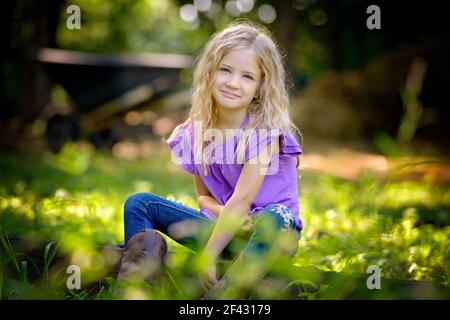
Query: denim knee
{"type": "Point", "coordinates": [281, 215]}
{"type": "Point", "coordinates": [137, 203]}
{"type": "Point", "coordinates": [136, 199]}
{"type": "Point", "coordinates": [272, 220]}
{"type": "Point", "coordinates": [137, 216]}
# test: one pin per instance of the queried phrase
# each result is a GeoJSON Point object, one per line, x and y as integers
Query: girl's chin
{"type": "Point", "coordinates": [232, 104]}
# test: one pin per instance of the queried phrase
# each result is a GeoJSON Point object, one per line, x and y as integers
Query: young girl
{"type": "Point", "coordinates": [239, 146]}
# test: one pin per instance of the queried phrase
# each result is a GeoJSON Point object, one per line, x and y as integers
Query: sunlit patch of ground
{"type": "Point", "coordinates": [349, 164]}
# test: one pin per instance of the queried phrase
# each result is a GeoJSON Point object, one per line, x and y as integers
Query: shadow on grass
{"type": "Point", "coordinates": [438, 216]}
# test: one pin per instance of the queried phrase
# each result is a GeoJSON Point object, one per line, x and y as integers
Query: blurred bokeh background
{"type": "Point", "coordinates": [348, 83]}
{"type": "Point", "coordinates": [83, 111]}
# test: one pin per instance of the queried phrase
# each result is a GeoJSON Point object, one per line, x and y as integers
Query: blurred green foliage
{"type": "Point", "coordinates": [73, 202]}
{"type": "Point", "coordinates": [130, 26]}
{"type": "Point", "coordinates": [323, 35]}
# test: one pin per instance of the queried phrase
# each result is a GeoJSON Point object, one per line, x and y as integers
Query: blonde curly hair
{"type": "Point", "coordinates": [270, 110]}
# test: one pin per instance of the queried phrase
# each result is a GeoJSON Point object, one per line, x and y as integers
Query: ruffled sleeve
{"type": "Point", "coordinates": [289, 146]}
{"type": "Point", "coordinates": [181, 143]}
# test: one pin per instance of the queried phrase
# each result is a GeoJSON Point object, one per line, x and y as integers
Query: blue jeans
{"type": "Point", "coordinates": [148, 211]}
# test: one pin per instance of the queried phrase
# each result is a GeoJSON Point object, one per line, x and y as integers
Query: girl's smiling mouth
{"type": "Point", "coordinates": [229, 95]}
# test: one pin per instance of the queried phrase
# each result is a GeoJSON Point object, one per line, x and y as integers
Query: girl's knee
{"type": "Point", "coordinates": [289, 243]}
{"type": "Point", "coordinates": [276, 225]}
{"type": "Point", "coordinates": [136, 201]}
{"type": "Point", "coordinates": [280, 215]}
{"type": "Point", "coordinates": [131, 202]}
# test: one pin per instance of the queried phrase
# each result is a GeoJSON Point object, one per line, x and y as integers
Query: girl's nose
{"type": "Point", "coordinates": [233, 82]}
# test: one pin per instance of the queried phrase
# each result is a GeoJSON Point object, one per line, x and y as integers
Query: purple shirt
{"type": "Point", "coordinates": [279, 185]}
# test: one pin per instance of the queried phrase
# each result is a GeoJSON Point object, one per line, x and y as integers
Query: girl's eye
{"type": "Point", "coordinates": [227, 70]}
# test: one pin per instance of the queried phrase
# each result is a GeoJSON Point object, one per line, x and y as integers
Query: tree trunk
{"type": "Point", "coordinates": [286, 31]}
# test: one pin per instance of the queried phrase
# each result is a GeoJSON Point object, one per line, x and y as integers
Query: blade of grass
{"type": "Point", "coordinates": [24, 271]}
{"type": "Point", "coordinates": [10, 252]}
{"type": "Point", "coordinates": [175, 284]}
{"type": "Point", "coordinates": [34, 264]}
{"type": "Point", "coordinates": [1, 275]}
{"type": "Point", "coordinates": [48, 257]}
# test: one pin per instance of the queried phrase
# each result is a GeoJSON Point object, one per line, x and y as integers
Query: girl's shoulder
{"type": "Point", "coordinates": [187, 123]}
{"type": "Point", "coordinates": [180, 142]}
{"type": "Point", "coordinates": [259, 139]}
{"type": "Point", "coordinates": [182, 130]}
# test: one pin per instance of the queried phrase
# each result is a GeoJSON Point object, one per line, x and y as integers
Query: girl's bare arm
{"type": "Point", "coordinates": [204, 197]}
{"type": "Point", "coordinates": [234, 212]}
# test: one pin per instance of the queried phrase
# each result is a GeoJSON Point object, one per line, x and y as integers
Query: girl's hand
{"type": "Point", "coordinates": [208, 279]}
{"type": "Point", "coordinates": [248, 224]}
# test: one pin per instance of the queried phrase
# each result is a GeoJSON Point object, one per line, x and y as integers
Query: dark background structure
{"type": "Point", "coordinates": [332, 57]}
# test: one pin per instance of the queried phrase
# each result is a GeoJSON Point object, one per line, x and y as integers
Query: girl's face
{"type": "Point", "coordinates": [237, 79]}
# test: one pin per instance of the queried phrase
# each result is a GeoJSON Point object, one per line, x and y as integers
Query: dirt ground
{"type": "Point", "coordinates": [349, 160]}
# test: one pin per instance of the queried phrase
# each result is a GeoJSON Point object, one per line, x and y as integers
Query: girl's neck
{"type": "Point", "coordinates": [231, 119]}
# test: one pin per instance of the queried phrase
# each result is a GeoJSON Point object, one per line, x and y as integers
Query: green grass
{"type": "Point", "coordinates": [76, 200]}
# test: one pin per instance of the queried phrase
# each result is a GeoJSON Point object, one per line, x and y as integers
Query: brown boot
{"type": "Point", "coordinates": [112, 254]}
{"type": "Point", "coordinates": [144, 257]}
